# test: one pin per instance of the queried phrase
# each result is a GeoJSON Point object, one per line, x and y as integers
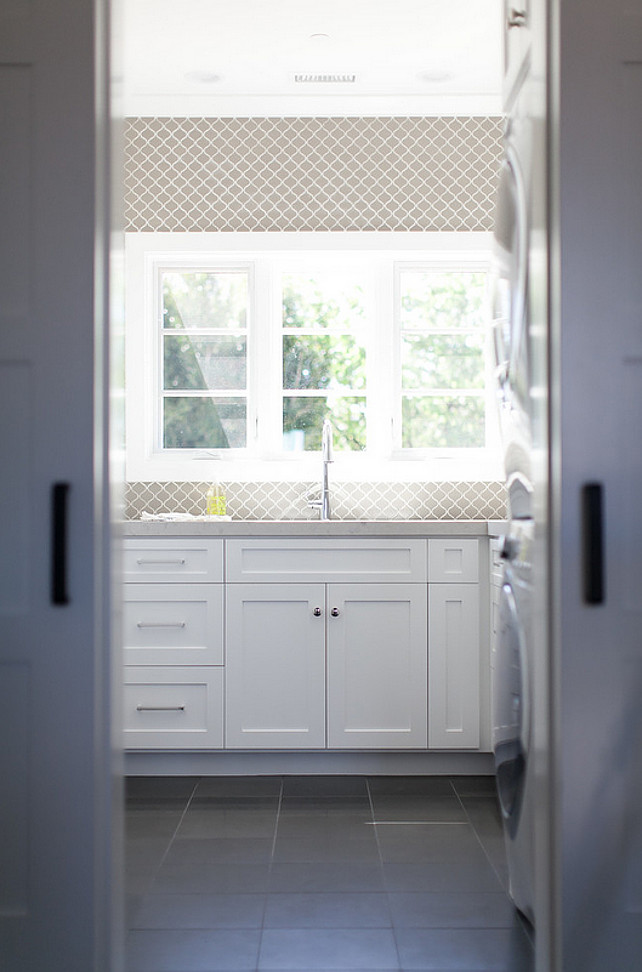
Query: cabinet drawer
{"type": "Point", "coordinates": [303, 561]}
{"type": "Point", "coordinates": [169, 561]}
{"type": "Point", "coordinates": [173, 624]}
{"type": "Point", "coordinates": [453, 561]}
{"type": "Point", "coordinates": [173, 708]}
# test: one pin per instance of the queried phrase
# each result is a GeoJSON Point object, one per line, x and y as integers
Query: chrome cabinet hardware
{"type": "Point", "coordinates": [335, 612]}
{"type": "Point", "coordinates": [160, 708]}
{"type": "Point", "coordinates": [143, 561]}
{"type": "Point", "coordinates": [317, 612]}
{"type": "Point", "coordinates": [160, 624]}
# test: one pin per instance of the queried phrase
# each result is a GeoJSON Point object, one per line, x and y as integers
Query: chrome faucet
{"type": "Point", "coordinates": [322, 502]}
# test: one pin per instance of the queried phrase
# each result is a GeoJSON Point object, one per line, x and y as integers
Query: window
{"type": "Point", "coordinates": [203, 358]}
{"type": "Point", "coordinates": [323, 341]}
{"type": "Point", "coordinates": [442, 364]}
{"type": "Point", "coordinates": [240, 353]}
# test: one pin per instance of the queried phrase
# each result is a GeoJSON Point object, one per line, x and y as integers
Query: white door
{"type": "Point", "coordinates": [54, 755]}
{"type": "Point", "coordinates": [597, 423]}
{"type": "Point", "coordinates": [275, 666]}
{"type": "Point", "coordinates": [377, 648]}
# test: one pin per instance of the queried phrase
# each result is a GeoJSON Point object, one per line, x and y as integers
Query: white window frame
{"type": "Point", "coordinates": [468, 263]}
{"type": "Point", "coordinates": [385, 254]}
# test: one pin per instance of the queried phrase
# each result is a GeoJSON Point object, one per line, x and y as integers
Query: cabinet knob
{"type": "Point", "coordinates": [317, 612]}
{"type": "Point", "coordinates": [335, 612]}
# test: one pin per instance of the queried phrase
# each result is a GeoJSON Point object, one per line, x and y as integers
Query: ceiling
{"type": "Point", "coordinates": [240, 57]}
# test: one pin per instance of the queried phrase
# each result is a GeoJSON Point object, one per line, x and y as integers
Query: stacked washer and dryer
{"type": "Point", "coordinates": [513, 664]}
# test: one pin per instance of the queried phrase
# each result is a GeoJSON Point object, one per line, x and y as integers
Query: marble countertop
{"type": "Point", "coordinates": [203, 526]}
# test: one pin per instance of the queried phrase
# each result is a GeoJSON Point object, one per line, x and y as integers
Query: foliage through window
{"type": "Point", "coordinates": [442, 341]}
{"type": "Point", "coordinates": [254, 352]}
{"type": "Point", "coordinates": [324, 359]}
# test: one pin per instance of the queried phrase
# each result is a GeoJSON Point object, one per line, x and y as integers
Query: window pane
{"type": "Point", "coordinates": [442, 299]}
{"type": "Point", "coordinates": [323, 362]}
{"type": "Point", "coordinates": [204, 423]}
{"type": "Point", "coordinates": [322, 300]}
{"type": "Point", "coordinates": [208, 363]}
{"type": "Point", "coordinates": [204, 299]}
{"type": "Point", "coordinates": [440, 421]}
{"type": "Point", "coordinates": [442, 361]}
{"type": "Point", "coordinates": [303, 421]}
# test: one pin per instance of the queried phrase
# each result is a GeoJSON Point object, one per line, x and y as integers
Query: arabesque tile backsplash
{"type": "Point", "coordinates": [311, 174]}
{"type": "Point", "coordinates": [315, 174]}
{"type": "Point", "coordinates": [350, 501]}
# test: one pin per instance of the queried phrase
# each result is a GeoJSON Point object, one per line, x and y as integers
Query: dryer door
{"type": "Point", "coordinates": [511, 716]}
{"type": "Point", "coordinates": [509, 278]}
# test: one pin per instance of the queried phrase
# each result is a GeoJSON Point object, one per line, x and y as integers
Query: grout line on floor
{"type": "Point", "coordinates": [383, 872]}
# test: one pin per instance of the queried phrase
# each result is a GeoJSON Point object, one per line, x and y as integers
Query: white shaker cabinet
{"type": "Point", "coordinates": [281, 637]}
{"type": "Point", "coordinates": [275, 671]}
{"type": "Point", "coordinates": [295, 646]}
{"type": "Point", "coordinates": [377, 663]}
{"type": "Point", "coordinates": [454, 640]}
{"type": "Point", "coordinates": [173, 643]}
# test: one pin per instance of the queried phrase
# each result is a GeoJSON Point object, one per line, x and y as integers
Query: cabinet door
{"type": "Point", "coordinates": [453, 678]}
{"type": "Point", "coordinates": [377, 666]}
{"type": "Point", "coordinates": [275, 672]}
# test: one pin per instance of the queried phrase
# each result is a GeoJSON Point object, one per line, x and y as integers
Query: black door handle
{"type": "Point", "coordinates": [59, 494]}
{"type": "Point", "coordinates": [593, 543]}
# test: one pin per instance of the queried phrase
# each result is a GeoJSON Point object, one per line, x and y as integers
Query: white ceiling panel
{"type": "Point", "coordinates": [208, 57]}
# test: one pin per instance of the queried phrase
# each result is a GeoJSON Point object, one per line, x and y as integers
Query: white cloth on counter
{"type": "Point", "coordinates": [177, 517]}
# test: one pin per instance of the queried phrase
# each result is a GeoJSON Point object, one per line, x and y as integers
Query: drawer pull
{"type": "Point", "coordinates": [143, 561]}
{"type": "Point", "coordinates": [160, 624]}
{"type": "Point", "coordinates": [160, 708]}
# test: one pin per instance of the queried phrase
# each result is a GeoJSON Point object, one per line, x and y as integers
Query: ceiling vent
{"type": "Point", "coordinates": [325, 78]}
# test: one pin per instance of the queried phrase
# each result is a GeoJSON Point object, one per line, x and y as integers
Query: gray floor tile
{"type": "Point", "coordinates": [211, 878]}
{"type": "Point", "coordinates": [218, 821]}
{"type": "Point", "coordinates": [142, 822]}
{"type": "Point", "coordinates": [427, 809]}
{"type": "Point", "coordinates": [459, 909]}
{"type": "Point", "coordinates": [366, 949]}
{"type": "Point", "coordinates": [199, 911]}
{"type": "Point", "coordinates": [145, 852]}
{"type": "Point", "coordinates": [233, 787]}
{"type": "Point", "coordinates": [478, 950]}
{"type": "Point", "coordinates": [318, 847]}
{"type": "Point", "coordinates": [213, 850]}
{"type": "Point", "coordinates": [428, 842]}
{"type": "Point", "coordinates": [192, 951]}
{"type": "Point", "coordinates": [319, 877]}
{"type": "Point", "coordinates": [327, 823]}
{"type": "Point", "coordinates": [484, 814]}
{"type": "Point", "coordinates": [295, 803]}
{"type": "Point", "coordinates": [329, 910]}
{"type": "Point", "coordinates": [410, 786]}
{"type": "Point", "coordinates": [158, 793]}
{"type": "Point", "coordinates": [324, 786]}
{"type": "Point", "coordinates": [441, 876]}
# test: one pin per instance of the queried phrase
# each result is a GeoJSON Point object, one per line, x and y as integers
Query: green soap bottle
{"type": "Point", "coordinates": [215, 503]}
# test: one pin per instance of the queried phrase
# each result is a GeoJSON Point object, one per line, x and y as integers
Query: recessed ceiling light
{"type": "Point", "coordinates": [203, 77]}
